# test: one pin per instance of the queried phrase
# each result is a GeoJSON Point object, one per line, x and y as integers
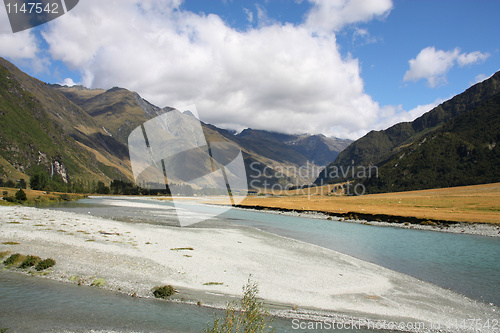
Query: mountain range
{"type": "Point", "coordinates": [456, 143]}
{"type": "Point", "coordinates": [80, 134]}
{"type": "Point", "coordinates": [76, 133]}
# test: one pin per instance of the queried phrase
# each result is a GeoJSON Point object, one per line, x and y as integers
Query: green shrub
{"type": "Point", "coordinates": [21, 184]}
{"type": "Point", "coordinates": [13, 259]}
{"type": "Point", "coordinates": [65, 197]}
{"type": "Point", "coordinates": [44, 264]}
{"type": "Point", "coordinates": [10, 183]}
{"type": "Point", "coordinates": [250, 316]}
{"type": "Point", "coordinates": [10, 199]}
{"type": "Point", "coordinates": [29, 261]}
{"type": "Point", "coordinates": [163, 292]}
{"type": "Point", "coordinates": [21, 195]}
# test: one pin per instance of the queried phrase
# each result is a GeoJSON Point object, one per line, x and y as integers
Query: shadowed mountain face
{"type": "Point", "coordinates": [464, 151]}
{"type": "Point", "coordinates": [80, 133]}
{"type": "Point", "coordinates": [437, 149]}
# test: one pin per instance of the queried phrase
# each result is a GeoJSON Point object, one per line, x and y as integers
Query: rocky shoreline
{"type": "Point", "coordinates": [405, 222]}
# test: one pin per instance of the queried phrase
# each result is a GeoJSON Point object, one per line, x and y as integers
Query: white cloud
{"type": "Point", "coordinates": [275, 77]}
{"type": "Point", "coordinates": [363, 37]}
{"type": "Point", "coordinates": [21, 45]}
{"type": "Point", "coordinates": [390, 115]}
{"type": "Point", "coordinates": [471, 58]}
{"type": "Point", "coordinates": [249, 14]}
{"type": "Point", "coordinates": [331, 15]}
{"type": "Point", "coordinates": [262, 18]}
{"type": "Point", "coordinates": [68, 82]}
{"type": "Point", "coordinates": [480, 78]}
{"type": "Point", "coordinates": [433, 65]}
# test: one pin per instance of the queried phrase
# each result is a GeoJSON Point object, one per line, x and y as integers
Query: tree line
{"type": "Point", "coordinates": [41, 180]}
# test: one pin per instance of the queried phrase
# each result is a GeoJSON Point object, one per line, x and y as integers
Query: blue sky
{"type": "Point", "coordinates": [338, 67]}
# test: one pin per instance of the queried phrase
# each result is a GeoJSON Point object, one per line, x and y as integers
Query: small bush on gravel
{"type": "Point", "coordinates": [44, 264]}
{"type": "Point", "coordinates": [249, 316]}
{"type": "Point", "coordinates": [14, 259]}
{"type": "Point", "coordinates": [164, 291]}
{"type": "Point", "coordinates": [29, 261]}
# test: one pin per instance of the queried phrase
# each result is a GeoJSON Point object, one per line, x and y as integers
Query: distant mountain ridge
{"type": "Point", "coordinates": [80, 133]}
{"type": "Point", "coordinates": [317, 149]}
{"type": "Point", "coordinates": [383, 148]}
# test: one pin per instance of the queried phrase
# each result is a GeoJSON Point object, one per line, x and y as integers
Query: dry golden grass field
{"type": "Point", "coordinates": [478, 203]}
{"type": "Point", "coordinates": [39, 197]}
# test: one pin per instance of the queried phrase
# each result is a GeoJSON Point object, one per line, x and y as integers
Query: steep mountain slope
{"type": "Point", "coordinates": [379, 147]}
{"type": "Point", "coordinates": [80, 133]}
{"type": "Point", "coordinates": [39, 126]}
{"type": "Point", "coordinates": [465, 151]}
{"type": "Point", "coordinates": [118, 111]}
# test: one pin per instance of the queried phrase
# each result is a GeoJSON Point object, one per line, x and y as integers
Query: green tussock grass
{"type": "Point", "coordinates": [164, 291]}
{"type": "Point", "coordinates": [29, 262]}
{"type": "Point", "coordinates": [44, 264]}
{"type": "Point", "coordinates": [14, 259]}
{"type": "Point", "coordinates": [213, 283]}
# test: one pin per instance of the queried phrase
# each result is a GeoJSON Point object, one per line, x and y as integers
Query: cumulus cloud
{"type": "Point", "coordinates": [279, 77]}
{"type": "Point", "coordinates": [471, 58]}
{"type": "Point", "coordinates": [22, 45]}
{"type": "Point", "coordinates": [433, 65]}
{"type": "Point", "coordinates": [287, 78]}
{"type": "Point", "coordinates": [68, 82]}
{"type": "Point", "coordinates": [275, 77]}
{"type": "Point", "coordinates": [331, 15]}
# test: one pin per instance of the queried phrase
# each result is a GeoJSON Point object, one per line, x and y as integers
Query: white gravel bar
{"type": "Point", "coordinates": [298, 280]}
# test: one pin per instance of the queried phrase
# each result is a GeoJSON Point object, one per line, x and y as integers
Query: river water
{"type": "Point", "coordinates": [466, 264]}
